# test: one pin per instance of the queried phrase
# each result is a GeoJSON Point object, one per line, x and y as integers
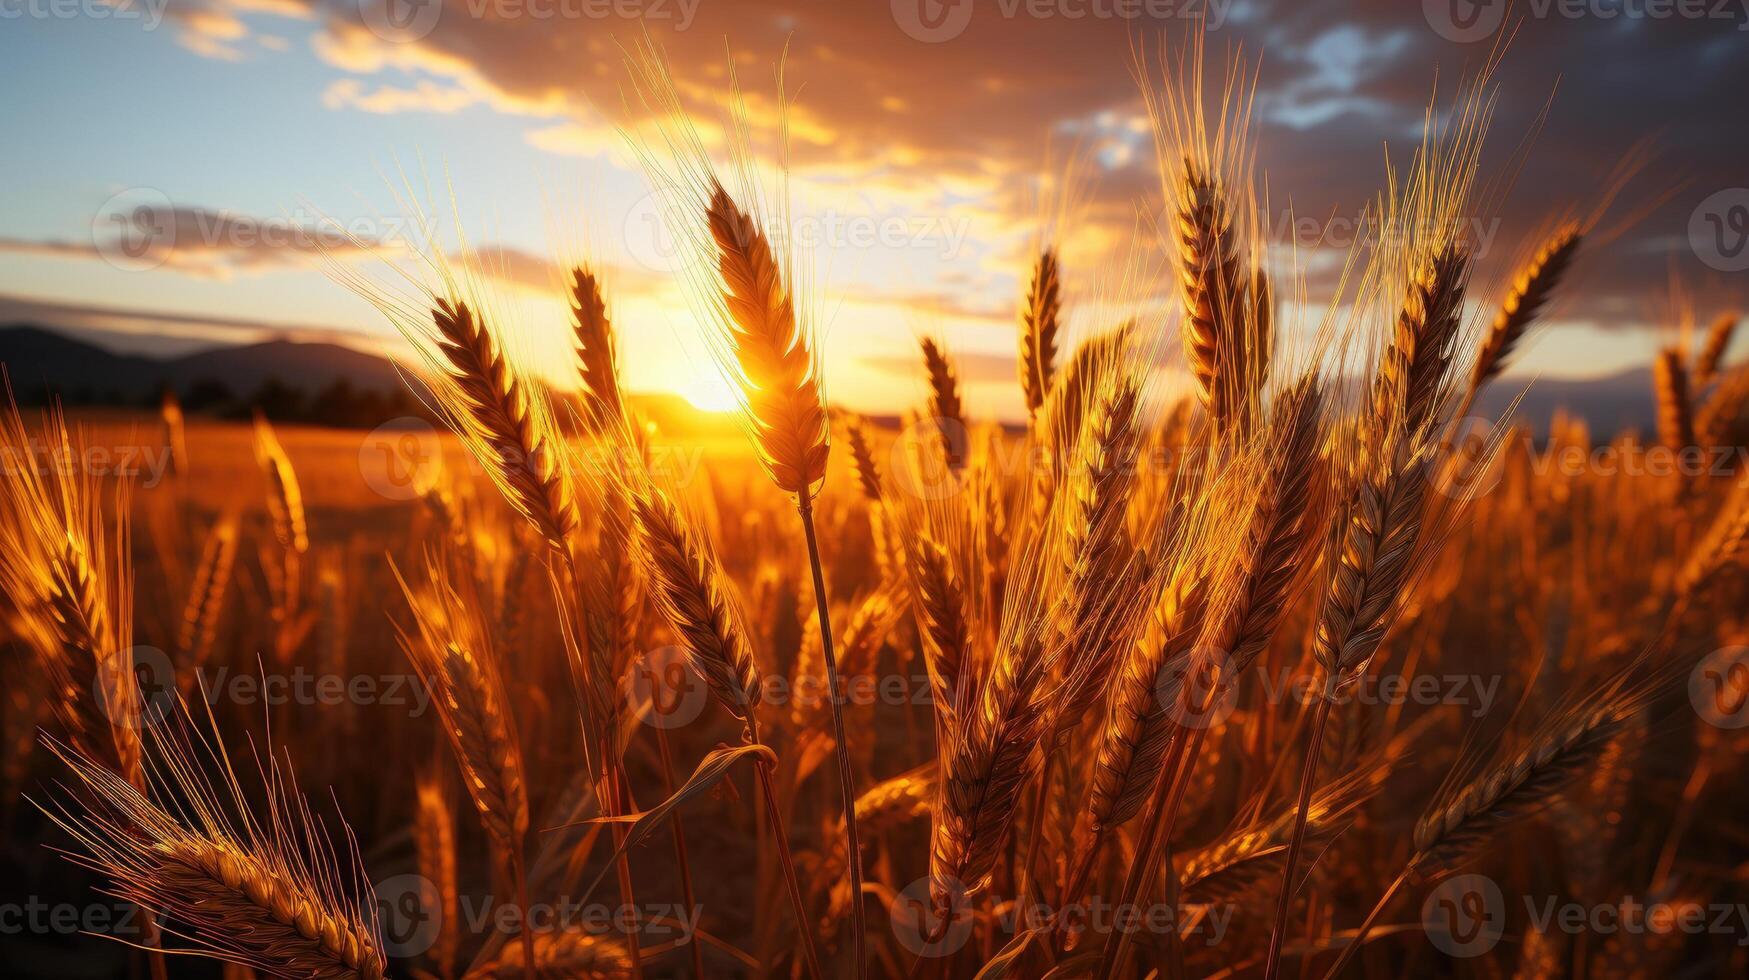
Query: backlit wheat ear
{"type": "Point", "coordinates": [1095, 549]}
{"type": "Point", "coordinates": [1229, 869]}
{"type": "Point", "coordinates": [1139, 719]}
{"type": "Point", "coordinates": [434, 846]}
{"type": "Point", "coordinates": [944, 403]}
{"type": "Point", "coordinates": [1284, 523]}
{"type": "Point", "coordinates": [1723, 409]}
{"type": "Point", "coordinates": [597, 361]}
{"type": "Point", "coordinates": [1039, 324]}
{"type": "Point", "coordinates": [862, 462]}
{"type": "Point", "coordinates": [571, 953]}
{"type": "Point", "coordinates": [1414, 369]}
{"type": "Point", "coordinates": [285, 498]}
{"type": "Point", "coordinates": [493, 405]}
{"type": "Point", "coordinates": [263, 891]}
{"type": "Point", "coordinates": [66, 573]}
{"type": "Point", "coordinates": [1521, 784]}
{"type": "Point", "coordinates": [691, 591]}
{"type": "Point", "coordinates": [1530, 292]}
{"type": "Point", "coordinates": [175, 431]}
{"type": "Point", "coordinates": [206, 595]}
{"type": "Point", "coordinates": [1712, 353]}
{"type": "Point", "coordinates": [775, 367]}
{"type": "Point", "coordinates": [1675, 411]}
{"type": "Point", "coordinates": [942, 618]}
{"type": "Point", "coordinates": [1217, 311]}
{"type": "Point", "coordinates": [450, 649]}
{"type": "Point", "coordinates": [1726, 544]}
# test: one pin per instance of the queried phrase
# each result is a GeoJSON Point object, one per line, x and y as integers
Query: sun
{"type": "Point", "coordinates": [709, 392]}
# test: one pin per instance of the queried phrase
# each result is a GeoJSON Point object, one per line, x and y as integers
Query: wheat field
{"type": "Point", "coordinates": [1251, 651]}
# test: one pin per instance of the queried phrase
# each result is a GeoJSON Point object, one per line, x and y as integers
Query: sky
{"type": "Point", "coordinates": [178, 173]}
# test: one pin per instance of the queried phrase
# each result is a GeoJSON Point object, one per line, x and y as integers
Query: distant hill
{"type": "Point", "coordinates": [291, 381]}
{"type": "Point", "coordinates": [1608, 404]}
{"type": "Point", "coordinates": [40, 360]}
{"type": "Point", "coordinates": [37, 359]}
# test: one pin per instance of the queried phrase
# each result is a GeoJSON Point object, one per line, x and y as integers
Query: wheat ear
{"type": "Point", "coordinates": [597, 362]}
{"type": "Point", "coordinates": [944, 402]}
{"type": "Point", "coordinates": [263, 892]}
{"type": "Point", "coordinates": [1039, 324]}
{"type": "Point", "coordinates": [434, 846]}
{"type": "Point", "coordinates": [494, 408]}
{"type": "Point", "coordinates": [778, 381]}
{"type": "Point", "coordinates": [1530, 292]}
{"type": "Point", "coordinates": [1213, 283]}
{"type": "Point", "coordinates": [1712, 353]}
{"type": "Point", "coordinates": [206, 595]}
{"type": "Point", "coordinates": [1675, 411]}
